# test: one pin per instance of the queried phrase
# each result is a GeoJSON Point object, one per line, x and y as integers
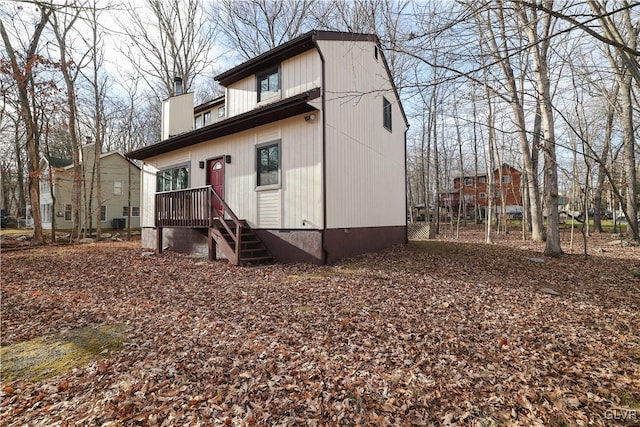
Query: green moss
{"type": "Point", "coordinates": [303, 309]}
{"type": "Point", "coordinates": [627, 399]}
{"type": "Point", "coordinates": [46, 357]}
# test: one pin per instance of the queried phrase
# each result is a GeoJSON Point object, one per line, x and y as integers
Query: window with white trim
{"type": "Point", "coordinates": [135, 211]}
{"type": "Point", "coordinates": [468, 182]}
{"type": "Point", "coordinates": [46, 212]}
{"type": "Point", "coordinates": [506, 179]}
{"type": "Point", "coordinates": [103, 213]}
{"type": "Point", "coordinates": [67, 212]}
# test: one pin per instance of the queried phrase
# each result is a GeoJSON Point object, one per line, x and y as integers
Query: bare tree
{"type": "Point", "coordinates": [170, 39]}
{"type": "Point", "coordinates": [539, 42]}
{"type": "Point", "coordinates": [63, 23]}
{"type": "Point", "coordinates": [498, 48]}
{"type": "Point", "coordinates": [252, 27]}
{"type": "Point", "coordinates": [22, 72]}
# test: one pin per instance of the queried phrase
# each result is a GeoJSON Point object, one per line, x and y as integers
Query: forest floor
{"type": "Point", "coordinates": [437, 332]}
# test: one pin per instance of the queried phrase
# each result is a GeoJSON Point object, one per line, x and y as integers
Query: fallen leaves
{"type": "Point", "coordinates": [429, 334]}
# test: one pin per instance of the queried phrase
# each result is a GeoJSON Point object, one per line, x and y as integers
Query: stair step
{"type": "Point", "coordinates": [256, 259]}
{"type": "Point", "coordinates": [252, 249]}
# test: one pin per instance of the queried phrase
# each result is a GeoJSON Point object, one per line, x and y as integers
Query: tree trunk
{"type": "Point", "coordinates": [23, 78]}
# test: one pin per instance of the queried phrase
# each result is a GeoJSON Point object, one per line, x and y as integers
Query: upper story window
{"type": "Point", "coordinates": [268, 163]}
{"type": "Point", "coordinates": [482, 179]}
{"type": "Point", "coordinates": [44, 185]}
{"type": "Point", "coordinates": [268, 84]}
{"type": "Point", "coordinates": [198, 122]}
{"type": "Point", "coordinates": [506, 179]}
{"type": "Point", "coordinates": [206, 118]}
{"type": "Point", "coordinates": [468, 181]}
{"type": "Point", "coordinates": [176, 178]}
{"type": "Point", "coordinates": [386, 113]}
{"type": "Point", "coordinates": [117, 188]}
{"type": "Point", "coordinates": [221, 112]}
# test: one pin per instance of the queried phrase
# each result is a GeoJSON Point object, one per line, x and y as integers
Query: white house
{"type": "Point", "coordinates": [302, 160]}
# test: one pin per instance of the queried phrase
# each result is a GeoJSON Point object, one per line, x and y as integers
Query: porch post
{"type": "Point", "coordinates": [212, 246]}
{"type": "Point", "coordinates": [159, 240]}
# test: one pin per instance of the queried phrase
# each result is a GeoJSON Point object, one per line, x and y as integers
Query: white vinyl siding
{"type": "Point", "coordinates": [269, 209]}
{"type": "Point", "coordinates": [300, 192]}
{"type": "Point", "coordinates": [297, 75]}
{"type": "Point", "coordinates": [365, 164]}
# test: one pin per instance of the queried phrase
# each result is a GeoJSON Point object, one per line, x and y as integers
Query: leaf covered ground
{"type": "Point", "coordinates": [434, 333]}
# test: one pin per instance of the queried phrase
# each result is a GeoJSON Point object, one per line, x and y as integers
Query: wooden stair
{"type": "Point", "coordinates": [252, 249]}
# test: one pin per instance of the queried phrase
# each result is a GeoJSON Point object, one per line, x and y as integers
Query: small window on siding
{"type": "Point", "coordinates": [386, 114]}
{"type": "Point", "coordinates": [268, 164]}
{"type": "Point", "coordinates": [176, 178]}
{"type": "Point", "coordinates": [135, 211]}
{"type": "Point", "coordinates": [103, 213]}
{"type": "Point", "coordinates": [198, 122]}
{"type": "Point", "coordinates": [206, 118]}
{"type": "Point", "coordinates": [117, 188]}
{"type": "Point", "coordinates": [46, 212]}
{"type": "Point", "coordinates": [67, 212]}
{"type": "Point", "coordinates": [268, 84]}
{"type": "Point", "coordinates": [220, 112]}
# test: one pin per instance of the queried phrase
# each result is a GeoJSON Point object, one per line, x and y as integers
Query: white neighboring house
{"type": "Point", "coordinates": [307, 164]}
{"type": "Point", "coordinates": [120, 188]}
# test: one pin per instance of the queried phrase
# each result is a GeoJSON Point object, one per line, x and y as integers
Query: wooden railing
{"type": "Point", "coordinates": [194, 208]}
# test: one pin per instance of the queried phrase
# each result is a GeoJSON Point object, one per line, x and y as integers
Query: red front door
{"type": "Point", "coordinates": [215, 178]}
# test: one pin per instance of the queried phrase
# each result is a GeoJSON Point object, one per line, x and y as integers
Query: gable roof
{"type": "Point", "coordinates": [483, 173]}
{"type": "Point", "coordinates": [287, 50]}
{"type": "Point", "coordinates": [285, 108]}
{"type": "Point", "coordinates": [58, 162]}
{"type": "Point", "coordinates": [209, 104]}
{"type": "Point", "coordinates": [289, 107]}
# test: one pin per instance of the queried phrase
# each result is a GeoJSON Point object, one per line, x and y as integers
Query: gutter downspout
{"type": "Point", "coordinates": [325, 254]}
{"type": "Point", "coordinates": [406, 198]}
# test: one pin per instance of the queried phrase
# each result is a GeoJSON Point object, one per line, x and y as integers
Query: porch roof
{"type": "Point", "coordinates": [292, 106]}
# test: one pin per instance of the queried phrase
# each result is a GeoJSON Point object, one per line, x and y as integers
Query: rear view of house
{"type": "Point", "coordinates": [303, 160]}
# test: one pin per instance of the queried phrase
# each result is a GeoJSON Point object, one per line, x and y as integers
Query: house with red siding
{"type": "Point", "coordinates": [507, 193]}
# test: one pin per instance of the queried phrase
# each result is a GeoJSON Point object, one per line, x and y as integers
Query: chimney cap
{"type": "Point", "coordinates": [177, 85]}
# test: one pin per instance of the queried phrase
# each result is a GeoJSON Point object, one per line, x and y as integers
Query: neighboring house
{"type": "Point", "coordinates": [307, 165]}
{"type": "Point", "coordinates": [507, 185]}
{"type": "Point", "coordinates": [120, 191]}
